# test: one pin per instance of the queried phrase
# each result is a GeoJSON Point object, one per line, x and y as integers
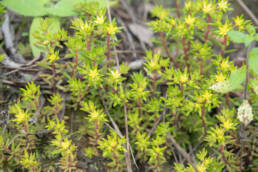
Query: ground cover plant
{"type": "Point", "coordinates": [188, 108]}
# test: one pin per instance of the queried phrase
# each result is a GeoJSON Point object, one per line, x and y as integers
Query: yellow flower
{"type": "Point", "coordinates": [200, 101]}
{"type": "Point", "coordinates": [190, 20]}
{"type": "Point", "coordinates": [223, 5]}
{"type": "Point", "coordinates": [188, 5]}
{"type": "Point", "coordinates": [201, 168]}
{"type": "Point", "coordinates": [111, 29]}
{"type": "Point", "coordinates": [207, 95]}
{"type": "Point", "coordinates": [220, 134]}
{"type": "Point", "coordinates": [99, 20]}
{"type": "Point", "coordinates": [183, 78]}
{"type": "Point", "coordinates": [65, 144]}
{"type": "Point", "coordinates": [172, 21]}
{"type": "Point", "coordinates": [238, 21]}
{"type": "Point", "coordinates": [220, 77]}
{"type": "Point", "coordinates": [207, 8]}
{"type": "Point", "coordinates": [53, 57]}
{"type": "Point", "coordinates": [223, 29]}
{"type": "Point", "coordinates": [163, 14]}
{"type": "Point", "coordinates": [115, 74]}
{"type": "Point", "coordinates": [227, 124]}
{"type": "Point", "coordinates": [93, 73]}
{"type": "Point", "coordinates": [21, 116]}
{"type": "Point", "coordinates": [94, 115]}
{"type": "Point", "coordinates": [224, 65]}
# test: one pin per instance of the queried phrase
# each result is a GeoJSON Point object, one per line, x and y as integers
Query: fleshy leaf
{"type": "Point", "coordinates": [253, 60]}
{"type": "Point", "coordinates": [53, 28]}
{"type": "Point", "coordinates": [239, 37]}
{"type": "Point", "coordinates": [27, 7]}
{"type": "Point", "coordinates": [237, 78]}
{"type": "Point", "coordinates": [64, 8]}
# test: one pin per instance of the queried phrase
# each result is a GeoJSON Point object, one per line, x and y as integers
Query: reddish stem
{"type": "Point", "coordinates": [186, 58]}
{"type": "Point", "coordinates": [182, 89]}
{"type": "Point", "coordinates": [54, 76]}
{"type": "Point", "coordinates": [223, 155]}
{"type": "Point", "coordinates": [139, 105]}
{"type": "Point", "coordinates": [69, 162]}
{"type": "Point", "coordinates": [162, 36]}
{"type": "Point", "coordinates": [89, 42]}
{"type": "Point", "coordinates": [224, 46]}
{"type": "Point", "coordinates": [36, 103]}
{"type": "Point", "coordinates": [201, 66]}
{"type": "Point", "coordinates": [154, 84]}
{"type": "Point", "coordinates": [26, 134]}
{"type": "Point", "coordinates": [75, 64]}
{"type": "Point", "coordinates": [178, 9]}
{"type": "Point", "coordinates": [7, 149]}
{"type": "Point", "coordinates": [208, 29]}
{"type": "Point", "coordinates": [202, 118]}
{"type": "Point", "coordinates": [227, 99]}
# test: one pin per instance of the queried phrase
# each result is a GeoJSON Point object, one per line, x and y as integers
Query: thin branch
{"type": "Point", "coordinates": [248, 11]}
{"type": "Point", "coordinates": [247, 70]}
{"type": "Point", "coordinates": [182, 151]}
{"type": "Point", "coordinates": [116, 129]}
{"type": "Point", "coordinates": [110, 21]}
{"type": "Point", "coordinates": [9, 39]}
{"type": "Point", "coordinates": [110, 118]}
{"type": "Point", "coordinates": [157, 123]}
{"type": "Point", "coordinates": [128, 159]}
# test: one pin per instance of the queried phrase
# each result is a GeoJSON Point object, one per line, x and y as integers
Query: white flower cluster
{"type": "Point", "coordinates": [221, 87]}
{"type": "Point", "coordinates": [244, 113]}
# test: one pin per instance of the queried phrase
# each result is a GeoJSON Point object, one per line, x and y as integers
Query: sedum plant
{"type": "Point", "coordinates": [180, 112]}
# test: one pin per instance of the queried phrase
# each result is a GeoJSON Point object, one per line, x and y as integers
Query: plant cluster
{"type": "Point", "coordinates": [180, 112]}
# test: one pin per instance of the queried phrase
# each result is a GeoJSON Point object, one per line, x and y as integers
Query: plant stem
{"type": "Point", "coordinates": [203, 120]}
{"type": "Point", "coordinates": [75, 64]}
{"type": "Point", "coordinates": [139, 105]}
{"type": "Point", "coordinates": [224, 46]}
{"type": "Point", "coordinates": [128, 158]}
{"type": "Point", "coordinates": [54, 76]}
{"type": "Point", "coordinates": [182, 151]}
{"type": "Point", "coordinates": [223, 155]}
{"type": "Point", "coordinates": [154, 84]}
{"type": "Point", "coordinates": [177, 9]}
{"type": "Point", "coordinates": [26, 134]}
{"type": "Point", "coordinates": [172, 59]}
{"type": "Point", "coordinates": [182, 89]}
{"type": "Point", "coordinates": [208, 29]}
{"type": "Point", "coordinates": [108, 51]}
{"type": "Point", "coordinates": [227, 99]}
{"type": "Point", "coordinates": [186, 57]}
{"type": "Point", "coordinates": [201, 65]}
{"type": "Point", "coordinates": [89, 42]}
{"type": "Point", "coordinates": [36, 103]}
{"type": "Point", "coordinates": [247, 72]}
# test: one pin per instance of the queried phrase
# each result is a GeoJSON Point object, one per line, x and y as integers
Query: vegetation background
{"type": "Point", "coordinates": [129, 85]}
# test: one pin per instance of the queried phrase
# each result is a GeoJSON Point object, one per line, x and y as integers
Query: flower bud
{"type": "Point", "coordinates": [244, 113]}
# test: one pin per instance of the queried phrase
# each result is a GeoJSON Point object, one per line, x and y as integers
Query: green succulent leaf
{"type": "Point", "coordinates": [64, 8]}
{"type": "Point", "coordinates": [253, 60]}
{"type": "Point", "coordinates": [54, 27]}
{"type": "Point", "coordinates": [237, 78]}
{"type": "Point", "coordinates": [240, 37]}
{"type": "Point", "coordinates": [37, 8]}
{"type": "Point", "coordinates": [27, 7]}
